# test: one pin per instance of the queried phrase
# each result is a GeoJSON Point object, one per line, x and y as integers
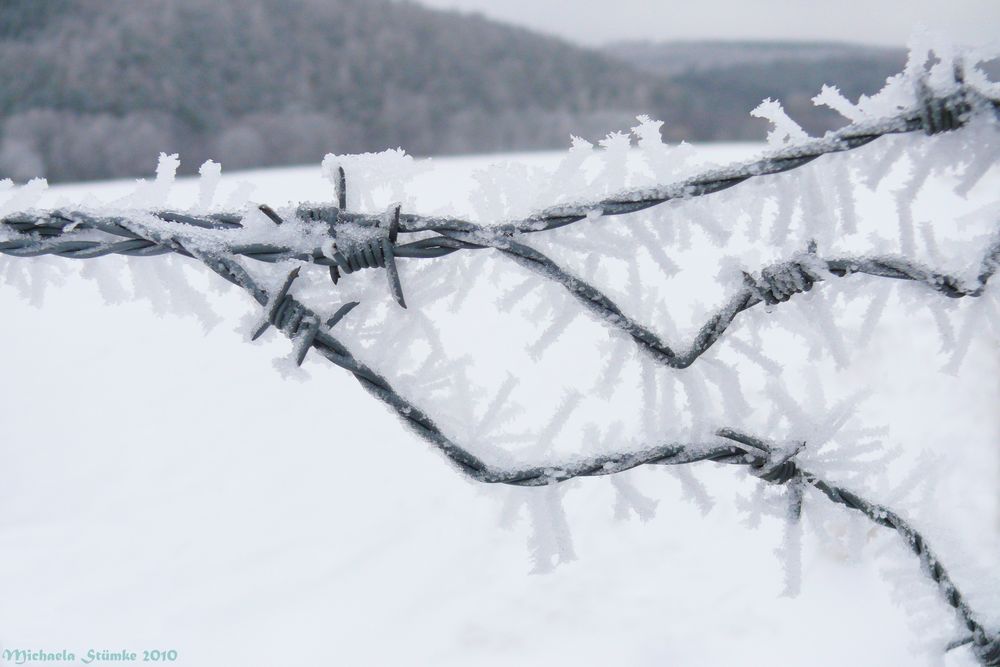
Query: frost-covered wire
{"type": "Point", "coordinates": [775, 283]}
{"type": "Point", "coordinates": [933, 114]}
{"type": "Point", "coordinates": [345, 241]}
{"type": "Point", "coordinates": [771, 463]}
{"type": "Point", "coordinates": [777, 465]}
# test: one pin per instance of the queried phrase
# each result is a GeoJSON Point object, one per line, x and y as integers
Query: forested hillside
{"type": "Point", "coordinates": [97, 88]}
{"type": "Point", "coordinates": [722, 81]}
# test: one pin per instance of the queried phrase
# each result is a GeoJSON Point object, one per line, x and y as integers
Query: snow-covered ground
{"type": "Point", "coordinates": [165, 487]}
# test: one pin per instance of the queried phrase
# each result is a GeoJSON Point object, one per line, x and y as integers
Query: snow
{"type": "Point", "coordinates": [165, 488]}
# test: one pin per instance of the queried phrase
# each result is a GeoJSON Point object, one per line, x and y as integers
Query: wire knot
{"type": "Point", "coordinates": [942, 114]}
{"type": "Point", "coordinates": [355, 246]}
{"type": "Point", "coordinates": [357, 241]}
{"type": "Point", "coordinates": [779, 282]}
{"type": "Point", "coordinates": [288, 315]}
{"type": "Point", "coordinates": [769, 461]}
{"type": "Point", "coordinates": [987, 649]}
{"type": "Point", "coordinates": [951, 287]}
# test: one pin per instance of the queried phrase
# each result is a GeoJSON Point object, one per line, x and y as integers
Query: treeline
{"type": "Point", "coordinates": [97, 88]}
{"type": "Point", "coordinates": [723, 81]}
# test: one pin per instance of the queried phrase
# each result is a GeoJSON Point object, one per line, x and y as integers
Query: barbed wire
{"type": "Point", "coordinates": [357, 241]}
{"type": "Point", "coordinates": [61, 233]}
{"type": "Point", "coordinates": [775, 283]}
{"type": "Point", "coordinates": [933, 114]}
{"type": "Point", "coordinates": [302, 325]}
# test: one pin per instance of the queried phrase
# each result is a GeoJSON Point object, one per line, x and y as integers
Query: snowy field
{"type": "Point", "coordinates": [166, 486]}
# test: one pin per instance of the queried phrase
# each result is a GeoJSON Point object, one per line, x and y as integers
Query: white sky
{"type": "Point", "coordinates": [887, 22]}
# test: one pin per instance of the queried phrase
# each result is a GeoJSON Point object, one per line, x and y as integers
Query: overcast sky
{"type": "Point", "coordinates": [873, 21]}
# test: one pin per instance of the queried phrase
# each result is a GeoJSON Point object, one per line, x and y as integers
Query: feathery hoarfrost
{"type": "Point", "coordinates": [784, 130]}
{"type": "Point", "coordinates": [211, 173]}
{"type": "Point", "coordinates": [511, 364]}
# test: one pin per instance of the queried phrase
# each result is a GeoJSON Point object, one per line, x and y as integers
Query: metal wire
{"type": "Point", "coordinates": [933, 114]}
{"type": "Point", "coordinates": [71, 234]}
{"type": "Point", "coordinates": [755, 453]}
{"type": "Point", "coordinates": [776, 283]}
{"type": "Point", "coordinates": [53, 232]}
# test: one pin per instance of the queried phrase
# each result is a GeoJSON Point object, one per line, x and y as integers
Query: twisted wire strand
{"type": "Point", "coordinates": [776, 283]}
{"type": "Point", "coordinates": [53, 233]}
{"type": "Point", "coordinates": [758, 455]}
{"type": "Point", "coordinates": [933, 114]}
{"type": "Point", "coordinates": [985, 643]}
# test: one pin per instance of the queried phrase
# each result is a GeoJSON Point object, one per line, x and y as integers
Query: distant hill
{"type": "Point", "coordinates": [95, 88]}
{"type": "Point", "coordinates": [722, 81]}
